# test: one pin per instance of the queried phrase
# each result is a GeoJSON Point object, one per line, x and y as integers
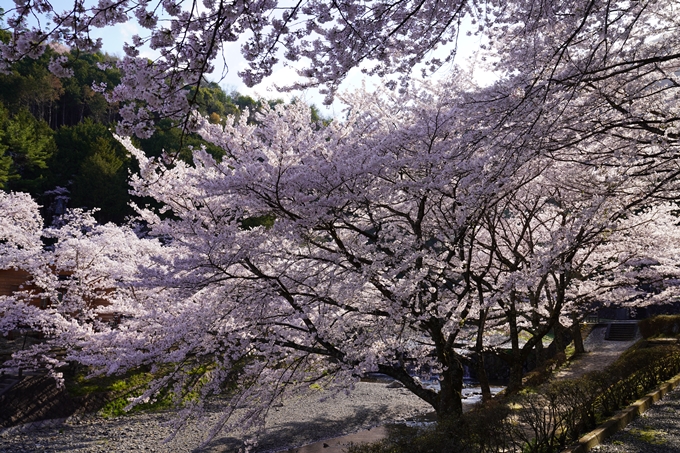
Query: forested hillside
{"type": "Point", "coordinates": [56, 140]}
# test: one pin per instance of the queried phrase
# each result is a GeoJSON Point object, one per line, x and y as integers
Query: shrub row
{"type": "Point", "coordinates": [560, 412]}
{"type": "Point", "coordinates": [633, 375]}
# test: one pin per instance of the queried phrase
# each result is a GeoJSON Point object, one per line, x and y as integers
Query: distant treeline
{"type": "Point", "coordinates": [56, 139]}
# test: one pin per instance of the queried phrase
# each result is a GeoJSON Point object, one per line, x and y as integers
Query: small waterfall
{"type": "Point", "coordinates": [467, 376]}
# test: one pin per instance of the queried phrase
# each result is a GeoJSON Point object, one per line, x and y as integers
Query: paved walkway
{"type": "Point", "coordinates": [600, 353]}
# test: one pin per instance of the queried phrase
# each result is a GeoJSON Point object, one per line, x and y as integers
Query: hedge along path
{"type": "Point", "coordinates": [621, 419]}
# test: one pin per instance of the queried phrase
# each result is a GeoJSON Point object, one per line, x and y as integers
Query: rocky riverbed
{"type": "Point", "coordinates": [297, 422]}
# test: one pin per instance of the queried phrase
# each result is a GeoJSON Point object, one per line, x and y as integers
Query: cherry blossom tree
{"type": "Point", "coordinates": [564, 245]}
{"type": "Point", "coordinates": [314, 254]}
{"type": "Point", "coordinates": [387, 236]}
{"type": "Point", "coordinates": [384, 241]}
{"type": "Point", "coordinates": [77, 287]}
{"type": "Point", "coordinates": [20, 227]}
{"type": "Point", "coordinates": [361, 270]}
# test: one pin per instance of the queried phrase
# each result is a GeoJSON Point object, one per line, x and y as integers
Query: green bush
{"type": "Point", "coordinates": [663, 325]}
{"type": "Point", "coordinates": [116, 392]}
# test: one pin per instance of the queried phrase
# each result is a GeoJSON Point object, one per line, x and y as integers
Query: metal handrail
{"type": "Point", "coordinates": [597, 320]}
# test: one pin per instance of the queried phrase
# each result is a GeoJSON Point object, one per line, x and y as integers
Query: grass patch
{"type": "Point", "coordinates": [118, 391]}
{"type": "Point", "coordinates": [649, 435]}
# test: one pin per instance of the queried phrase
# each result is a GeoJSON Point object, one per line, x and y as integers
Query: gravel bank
{"type": "Point", "coordinates": [655, 431]}
{"type": "Point", "coordinates": [295, 423]}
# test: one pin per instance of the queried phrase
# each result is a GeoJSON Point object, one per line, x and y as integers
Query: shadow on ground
{"type": "Point", "coordinates": [293, 433]}
{"type": "Point", "coordinates": [36, 398]}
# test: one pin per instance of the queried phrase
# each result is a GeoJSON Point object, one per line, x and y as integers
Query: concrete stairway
{"type": "Point", "coordinates": [621, 331]}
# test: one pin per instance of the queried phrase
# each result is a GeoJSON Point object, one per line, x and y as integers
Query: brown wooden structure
{"type": "Point", "coordinates": [12, 280]}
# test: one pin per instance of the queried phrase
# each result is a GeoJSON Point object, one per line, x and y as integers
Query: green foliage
{"type": "Point", "coordinates": [68, 101]}
{"type": "Point", "coordinates": [213, 102]}
{"type": "Point", "coordinates": [243, 102]}
{"type": "Point", "coordinates": [660, 326]}
{"type": "Point", "coordinates": [316, 115]}
{"type": "Point", "coordinates": [26, 145]}
{"type": "Point", "coordinates": [266, 221]}
{"type": "Point", "coordinates": [212, 99]}
{"type": "Point", "coordinates": [80, 101]}
{"type": "Point", "coordinates": [172, 141]}
{"type": "Point", "coordinates": [102, 182]}
{"type": "Point", "coordinates": [5, 158]}
{"type": "Point", "coordinates": [93, 166]}
{"type": "Point", "coordinates": [5, 167]}
{"type": "Point", "coordinates": [31, 86]}
{"type": "Point", "coordinates": [121, 390]}
{"type": "Point", "coordinates": [58, 134]}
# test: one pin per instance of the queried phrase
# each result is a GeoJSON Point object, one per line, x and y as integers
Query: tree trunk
{"type": "Point", "coordinates": [578, 338]}
{"type": "Point", "coordinates": [450, 404]}
{"type": "Point", "coordinates": [540, 353]}
{"type": "Point", "coordinates": [560, 340]}
{"type": "Point", "coordinates": [516, 374]}
{"type": "Point", "coordinates": [483, 378]}
{"type": "Point", "coordinates": [535, 327]}
{"type": "Point", "coordinates": [479, 365]}
{"type": "Point", "coordinates": [516, 356]}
